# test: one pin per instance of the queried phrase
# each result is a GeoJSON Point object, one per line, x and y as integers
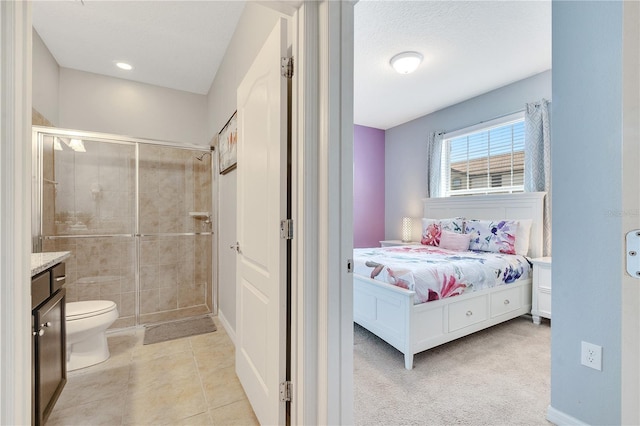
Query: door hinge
{"type": "Point", "coordinates": [633, 253]}
{"type": "Point", "coordinates": [286, 229]}
{"type": "Point", "coordinates": [286, 65]}
{"type": "Point", "coordinates": [349, 266]}
{"type": "Point", "coordinates": [286, 391]}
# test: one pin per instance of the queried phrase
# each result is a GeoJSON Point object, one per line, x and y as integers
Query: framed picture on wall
{"type": "Point", "coordinates": [228, 145]}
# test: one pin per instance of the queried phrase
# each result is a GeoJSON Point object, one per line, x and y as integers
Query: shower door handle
{"type": "Point", "coordinates": [235, 247]}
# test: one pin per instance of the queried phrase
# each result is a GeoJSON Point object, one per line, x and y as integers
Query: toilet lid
{"type": "Point", "coordinates": [89, 308]}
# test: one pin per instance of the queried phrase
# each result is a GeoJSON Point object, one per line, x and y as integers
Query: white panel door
{"type": "Point", "coordinates": [261, 261]}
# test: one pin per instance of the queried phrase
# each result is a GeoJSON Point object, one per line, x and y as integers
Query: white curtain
{"type": "Point", "coordinates": [537, 159]}
{"type": "Point", "coordinates": [434, 160]}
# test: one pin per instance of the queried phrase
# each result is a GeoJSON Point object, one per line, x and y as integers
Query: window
{"type": "Point", "coordinates": [487, 158]}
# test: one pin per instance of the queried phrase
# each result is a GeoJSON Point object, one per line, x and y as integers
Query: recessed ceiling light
{"type": "Point", "coordinates": [406, 62]}
{"type": "Point", "coordinates": [124, 66]}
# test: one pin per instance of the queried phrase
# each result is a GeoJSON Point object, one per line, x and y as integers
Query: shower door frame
{"type": "Point", "coordinates": [37, 236]}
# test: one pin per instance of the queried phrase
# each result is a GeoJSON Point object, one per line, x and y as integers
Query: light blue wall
{"type": "Point", "coordinates": [587, 181]}
{"type": "Point", "coordinates": [406, 145]}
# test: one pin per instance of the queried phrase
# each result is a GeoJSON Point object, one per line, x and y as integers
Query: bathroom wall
{"type": "Point", "coordinates": [80, 100]}
{"type": "Point", "coordinates": [46, 73]}
{"type": "Point", "coordinates": [111, 105]}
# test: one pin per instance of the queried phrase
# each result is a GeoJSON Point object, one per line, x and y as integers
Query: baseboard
{"type": "Point", "coordinates": [559, 418]}
{"type": "Point", "coordinates": [227, 327]}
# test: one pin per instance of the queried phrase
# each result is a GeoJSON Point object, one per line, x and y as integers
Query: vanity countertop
{"type": "Point", "coordinates": [43, 261]}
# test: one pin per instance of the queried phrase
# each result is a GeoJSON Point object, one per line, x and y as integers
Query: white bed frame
{"type": "Point", "coordinates": [388, 311]}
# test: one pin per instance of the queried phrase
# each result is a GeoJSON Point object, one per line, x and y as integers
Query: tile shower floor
{"type": "Point", "coordinates": [189, 381]}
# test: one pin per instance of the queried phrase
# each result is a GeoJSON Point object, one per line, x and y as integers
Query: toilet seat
{"type": "Point", "coordinates": [86, 309]}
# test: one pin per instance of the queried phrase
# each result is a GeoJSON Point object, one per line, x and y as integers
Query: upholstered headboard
{"type": "Point", "coordinates": [524, 205]}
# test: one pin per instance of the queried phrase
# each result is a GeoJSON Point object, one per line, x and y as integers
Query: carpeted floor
{"type": "Point", "coordinates": [178, 329]}
{"type": "Point", "coordinates": [498, 376]}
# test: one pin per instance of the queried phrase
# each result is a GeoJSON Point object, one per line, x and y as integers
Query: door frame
{"type": "Point", "coordinates": [322, 311]}
{"type": "Point", "coordinates": [15, 213]}
{"type": "Point", "coordinates": [630, 295]}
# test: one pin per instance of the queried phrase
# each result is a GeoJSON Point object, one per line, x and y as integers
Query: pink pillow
{"type": "Point", "coordinates": [454, 241]}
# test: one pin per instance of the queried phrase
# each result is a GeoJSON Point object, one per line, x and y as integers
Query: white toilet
{"type": "Point", "coordinates": [86, 325]}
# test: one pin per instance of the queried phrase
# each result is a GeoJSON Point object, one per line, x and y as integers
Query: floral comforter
{"type": "Point", "coordinates": [435, 273]}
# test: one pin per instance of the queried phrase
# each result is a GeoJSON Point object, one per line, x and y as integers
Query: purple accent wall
{"type": "Point", "coordinates": [368, 186]}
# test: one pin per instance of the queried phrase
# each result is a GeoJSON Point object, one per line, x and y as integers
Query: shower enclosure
{"type": "Point", "coordinates": [136, 216]}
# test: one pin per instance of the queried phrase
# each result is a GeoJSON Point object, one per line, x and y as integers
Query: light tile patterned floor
{"type": "Point", "coordinates": [189, 381]}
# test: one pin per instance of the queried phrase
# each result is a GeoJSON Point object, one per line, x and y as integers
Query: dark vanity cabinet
{"type": "Point", "coordinates": [49, 340]}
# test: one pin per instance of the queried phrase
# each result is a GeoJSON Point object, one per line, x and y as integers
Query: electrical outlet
{"type": "Point", "coordinates": [591, 356]}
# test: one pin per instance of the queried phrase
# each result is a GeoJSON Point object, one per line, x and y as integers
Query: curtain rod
{"type": "Point", "coordinates": [536, 103]}
{"type": "Point", "coordinates": [444, 132]}
{"type": "Point", "coordinates": [503, 115]}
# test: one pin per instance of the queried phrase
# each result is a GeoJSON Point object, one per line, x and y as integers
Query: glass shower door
{"type": "Point", "coordinates": [175, 233]}
{"type": "Point", "coordinates": [136, 217]}
{"type": "Point", "coordinates": [88, 198]}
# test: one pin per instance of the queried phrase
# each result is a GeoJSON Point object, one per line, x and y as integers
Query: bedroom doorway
{"type": "Point", "coordinates": [402, 187]}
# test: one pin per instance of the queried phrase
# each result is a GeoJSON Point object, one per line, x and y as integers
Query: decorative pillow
{"type": "Point", "coordinates": [454, 224]}
{"type": "Point", "coordinates": [454, 241]}
{"type": "Point", "coordinates": [432, 229]}
{"type": "Point", "coordinates": [522, 236]}
{"type": "Point", "coordinates": [491, 235]}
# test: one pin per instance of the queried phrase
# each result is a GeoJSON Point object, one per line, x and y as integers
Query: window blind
{"type": "Point", "coordinates": [484, 160]}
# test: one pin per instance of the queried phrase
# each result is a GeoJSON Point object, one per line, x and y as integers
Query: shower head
{"type": "Point", "coordinates": [200, 157]}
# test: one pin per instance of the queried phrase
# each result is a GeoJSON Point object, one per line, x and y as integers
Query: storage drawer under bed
{"type": "Point", "coordinates": [506, 301]}
{"type": "Point", "coordinates": [467, 312]}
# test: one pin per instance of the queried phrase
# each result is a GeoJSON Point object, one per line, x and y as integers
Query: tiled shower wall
{"type": "Point", "coordinates": [101, 269]}
{"type": "Point", "coordinates": [95, 195]}
{"type": "Point", "coordinates": [174, 277]}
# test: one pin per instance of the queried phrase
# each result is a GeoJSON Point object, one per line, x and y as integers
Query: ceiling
{"type": "Point", "coordinates": [174, 44]}
{"type": "Point", "coordinates": [469, 47]}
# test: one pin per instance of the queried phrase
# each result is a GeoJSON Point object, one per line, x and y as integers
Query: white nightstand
{"type": "Point", "coordinates": [541, 296]}
{"type": "Point", "coordinates": [390, 243]}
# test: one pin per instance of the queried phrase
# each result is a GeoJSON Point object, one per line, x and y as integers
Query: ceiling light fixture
{"type": "Point", "coordinates": [124, 66]}
{"type": "Point", "coordinates": [406, 62]}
